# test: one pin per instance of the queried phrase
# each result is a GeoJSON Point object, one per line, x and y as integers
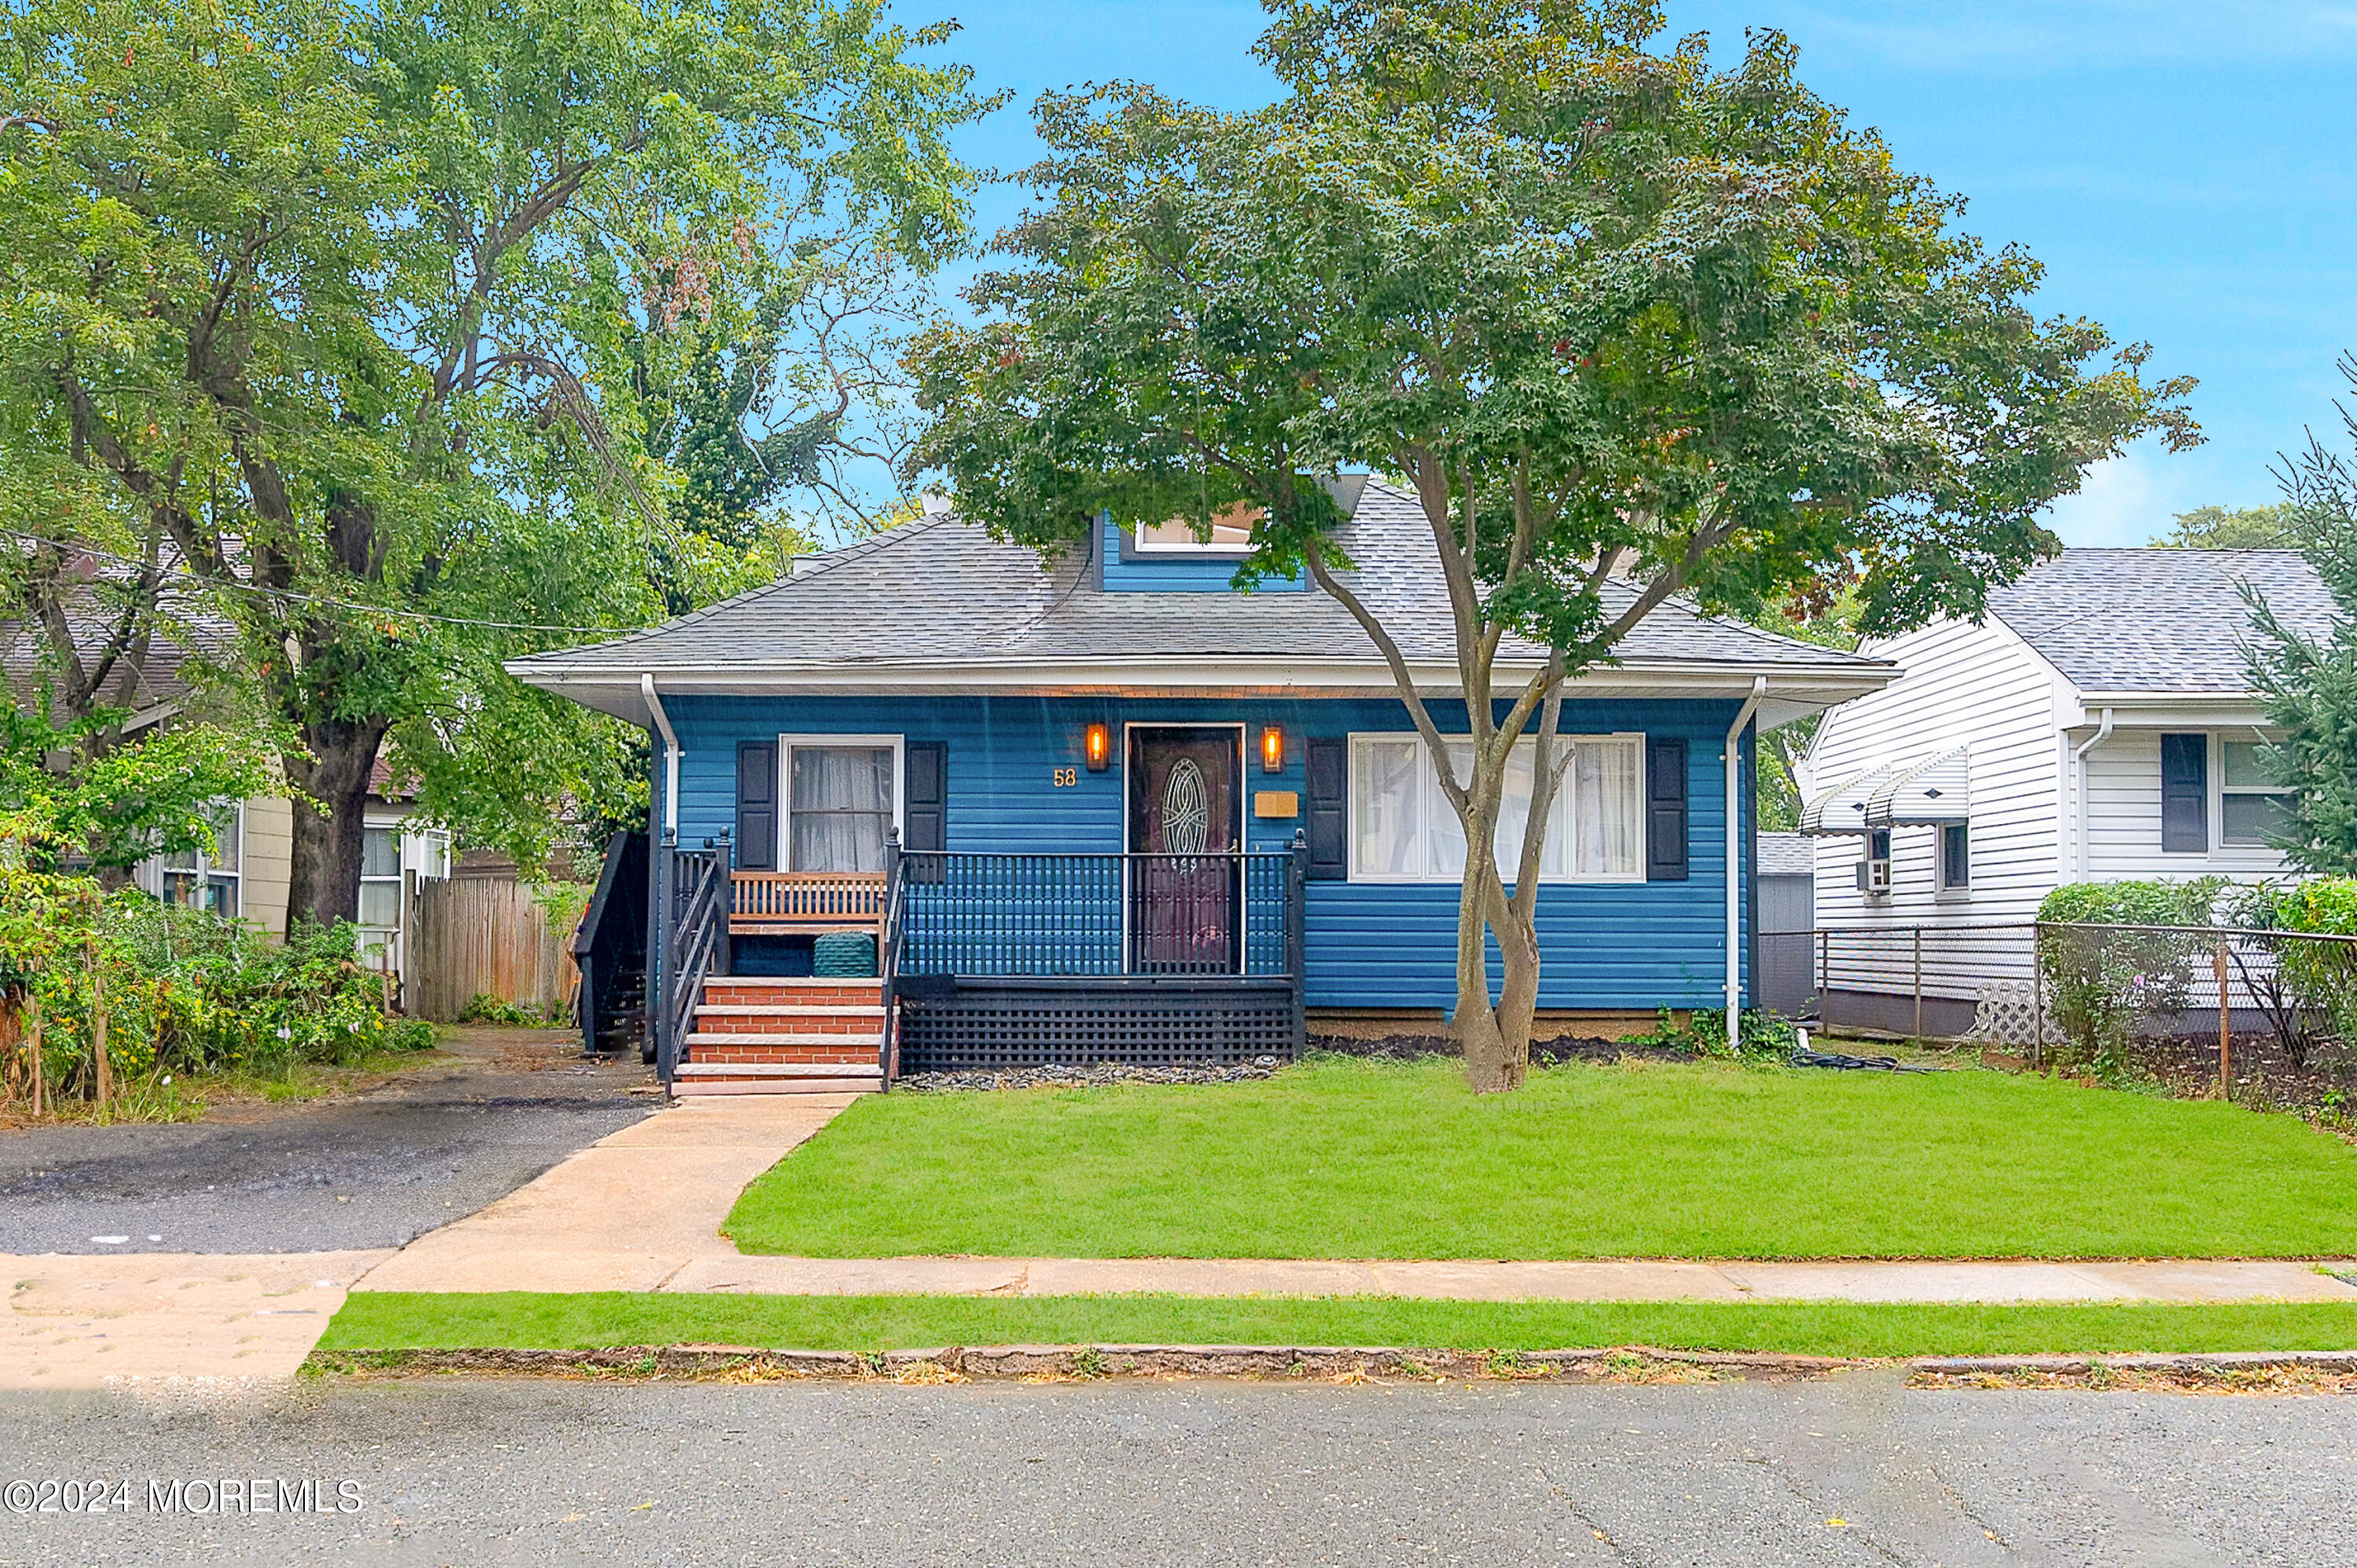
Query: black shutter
{"type": "Point", "coordinates": [756, 806]}
{"type": "Point", "coordinates": [925, 811]}
{"type": "Point", "coordinates": [2185, 793]}
{"type": "Point", "coordinates": [1329, 783]}
{"type": "Point", "coordinates": [1665, 808]}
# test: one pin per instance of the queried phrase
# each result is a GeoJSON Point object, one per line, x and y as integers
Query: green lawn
{"type": "Point", "coordinates": [1344, 1159]}
{"type": "Point", "coordinates": [374, 1320]}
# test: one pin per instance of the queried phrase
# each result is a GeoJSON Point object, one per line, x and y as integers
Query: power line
{"type": "Point", "coordinates": [321, 600]}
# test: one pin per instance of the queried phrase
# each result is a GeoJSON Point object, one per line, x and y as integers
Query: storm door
{"type": "Point", "coordinates": [1185, 831]}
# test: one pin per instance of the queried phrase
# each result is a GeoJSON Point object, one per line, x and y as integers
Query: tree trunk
{"type": "Point", "coordinates": [1495, 1036]}
{"type": "Point", "coordinates": [323, 883]}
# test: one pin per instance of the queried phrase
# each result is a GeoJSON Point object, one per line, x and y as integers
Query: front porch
{"type": "Point", "coordinates": [981, 960]}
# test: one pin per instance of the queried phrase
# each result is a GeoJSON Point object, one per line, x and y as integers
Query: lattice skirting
{"type": "Point", "coordinates": [1011, 1024]}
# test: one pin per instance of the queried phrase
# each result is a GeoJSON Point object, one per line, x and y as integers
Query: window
{"type": "Point", "coordinates": [842, 795]}
{"type": "Point", "coordinates": [2255, 808]}
{"type": "Point", "coordinates": [203, 881]}
{"type": "Point", "coordinates": [1956, 857]}
{"type": "Point", "coordinates": [1874, 871]}
{"type": "Point", "coordinates": [379, 920]}
{"type": "Point", "coordinates": [1231, 532]}
{"type": "Point", "coordinates": [1403, 830]}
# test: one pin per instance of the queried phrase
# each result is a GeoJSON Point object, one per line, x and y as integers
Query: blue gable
{"type": "Point", "coordinates": [1126, 569]}
{"type": "Point", "coordinates": [1017, 782]}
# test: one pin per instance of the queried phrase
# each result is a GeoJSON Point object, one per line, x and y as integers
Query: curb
{"type": "Point", "coordinates": [1623, 1363]}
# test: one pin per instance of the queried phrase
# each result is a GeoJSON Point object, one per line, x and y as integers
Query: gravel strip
{"type": "Point", "coordinates": [1060, 1077]}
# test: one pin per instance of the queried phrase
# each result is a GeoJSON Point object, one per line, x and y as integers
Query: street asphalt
{"type": "Point", "coordinates": [1854, 1470]}
{"type": "Point", "coordinates": [367, 1169]}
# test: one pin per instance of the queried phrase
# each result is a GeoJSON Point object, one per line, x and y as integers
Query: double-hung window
{"type": "Point", "coordinates": [1402, 828]}
{"type": "Point", "coordinates": [842, 795]}
{"type": "Point", "coordinates": [203, 880]}
{"type": "Point", "coordinates": [2255, 808]}
{"type": "Point", "coordinates": [379, 910]}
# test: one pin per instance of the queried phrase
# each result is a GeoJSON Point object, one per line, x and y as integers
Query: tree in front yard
{"type": "Point", "coordinates": [1627, 325]}
{"type": "Point", "coordinates": [342, 306]}
{"type": "Point", "coordinates": [2308, 684]}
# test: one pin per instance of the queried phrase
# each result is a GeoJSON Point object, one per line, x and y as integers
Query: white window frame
{"type": "Point", "coordinates": [1874, 876]}
{"type": "Point", "coordinates": [388, 937]}
{"type": "Point", "coordinates": [1359, 739]}
{"type": "Point", "coordinates": [2220, 790]}
{"type": "Point", "coordinates": [1941, 886]}
{"type": "Point", "coordinates": [206, 873]}
{"type": "Point", "coordinates": [1191, 545]}
{"type": "Point", "coordinates": [785, 787]}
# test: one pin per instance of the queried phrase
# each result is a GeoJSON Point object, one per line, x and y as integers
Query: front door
{"type": "Point", "coordinates": [1184, 832]}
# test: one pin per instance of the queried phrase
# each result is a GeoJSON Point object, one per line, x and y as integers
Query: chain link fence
{"type": "Point", "coordinates": [2161, 997]}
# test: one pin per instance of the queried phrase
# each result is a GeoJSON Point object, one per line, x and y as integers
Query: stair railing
{"type": "Point", "coordinates": [694, 893]}
{"type": "Point", "coordinates": [888, 955]}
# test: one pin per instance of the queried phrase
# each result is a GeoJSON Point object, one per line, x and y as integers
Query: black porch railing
{"type": "Point", "coordinates": [690, 912]}
{"type": "Point", "coordinates": [1101, 916]}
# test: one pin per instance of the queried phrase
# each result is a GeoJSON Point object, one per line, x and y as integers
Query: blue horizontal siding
{"type": "Point", "coordinates": [1176, 574]}
{"type": "Point", "coordinates": [1620, 945]}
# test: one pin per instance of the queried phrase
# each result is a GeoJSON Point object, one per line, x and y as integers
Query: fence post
{"type": "Point", "coordinates": [2225, 1083]}
{"type": "Point", "coordinates": [1824, 980]}
{"type": "Point", "coordinates": [2036, 1007]}
{"type": "Point", "coordinates": [1918, 985]}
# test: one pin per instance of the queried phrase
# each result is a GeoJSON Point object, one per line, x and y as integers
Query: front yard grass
{"type": "Point", "coordinates": [386, 1320]}
{"type": "Point", "coordinates": [1341, 1158]}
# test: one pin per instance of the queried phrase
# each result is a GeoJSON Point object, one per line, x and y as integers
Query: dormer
{"type": "Point", "coordinates": [1171, 558]}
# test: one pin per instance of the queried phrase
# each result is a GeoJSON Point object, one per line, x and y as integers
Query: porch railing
{"type": "Point", "coordinates": [1101, 916]}
{"type": "Point", "coordinates": [690, 886]}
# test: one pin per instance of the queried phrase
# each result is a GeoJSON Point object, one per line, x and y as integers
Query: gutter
{"type": "Point", "coordinates": [670, 758]}
{"type": "Point", "coordinates": [2079, 786]}
{"type": "Point", "coordinates": [1735, 865]}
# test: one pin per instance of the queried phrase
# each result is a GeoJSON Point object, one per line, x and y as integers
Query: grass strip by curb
{"type": "Point", "coordinates": [386, 1321]}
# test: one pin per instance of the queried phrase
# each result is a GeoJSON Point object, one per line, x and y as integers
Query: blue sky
{"type": "Point", "coordinates": [2181, 168]}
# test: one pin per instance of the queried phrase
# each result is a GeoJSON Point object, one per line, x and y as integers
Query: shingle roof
{"type": "Point", "coordinates": [939, 590]}
{"type": "Point", "coordinates": [1787, 855]}
{"type": "Point", "coordinates": [2158, 619]}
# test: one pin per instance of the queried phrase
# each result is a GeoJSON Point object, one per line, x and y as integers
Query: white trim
{"type": "Point", "coordinates": [1736, 839]}
{"type": "Point", "coordinates": [1941, 886]}
{"type": "Point", "coordinates": [150, 873]}
{"type": "Point", "coordinates": [2219, 790]}
{"type": "Point", "coordinates": [785, 786]}
{"type": "Point", "coordinates": [1351, 809]}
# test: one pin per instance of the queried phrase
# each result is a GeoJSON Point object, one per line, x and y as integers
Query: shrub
{"type": "Point", "coordinates": [177, 990]}
{"type": "Point", "coordinates": [2106, 970]}
{"type": "Point", "coordinates": [2304, 981]}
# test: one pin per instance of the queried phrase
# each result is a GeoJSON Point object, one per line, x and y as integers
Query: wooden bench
{"type": "Point", "coordinates": [804, 903]}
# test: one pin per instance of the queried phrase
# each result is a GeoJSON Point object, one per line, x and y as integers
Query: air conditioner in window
{"type": "Point", "coordinates": [1874, 876]}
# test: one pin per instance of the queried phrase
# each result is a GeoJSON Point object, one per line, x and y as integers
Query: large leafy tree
{"type": "Point", "coordinates": [2307, 678]}
{"type": "Point", "coordinates": [1627, 325]}
{"type": "Point", "coordinates": [339, 301]}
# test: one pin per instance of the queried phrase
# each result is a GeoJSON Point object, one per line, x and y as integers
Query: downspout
{"type": "Point", "coordinates": [1734, 864]}
{"type": "Point", "coordinates": [670, 758]}
{"type": "Point", "coordinates": [2079, 786]}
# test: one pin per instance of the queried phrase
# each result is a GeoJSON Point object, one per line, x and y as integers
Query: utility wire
{"type": "Point", "coordinates": [320, 600]}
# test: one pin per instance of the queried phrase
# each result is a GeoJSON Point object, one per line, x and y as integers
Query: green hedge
{"type": "Point", "coordinates": [2104, 973]}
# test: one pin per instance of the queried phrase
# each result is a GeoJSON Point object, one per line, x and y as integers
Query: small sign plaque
{"type": "Point", "coordinates": [1269, 803]}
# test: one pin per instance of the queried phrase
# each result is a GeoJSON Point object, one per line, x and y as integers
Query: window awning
{"type": "Point", "coordinates": [1935, 791]}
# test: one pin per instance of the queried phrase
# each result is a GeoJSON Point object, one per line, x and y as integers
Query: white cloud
{"type": "Point", "coordinates": [2126, 500]}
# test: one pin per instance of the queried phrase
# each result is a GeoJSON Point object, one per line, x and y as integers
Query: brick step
{"type": "Point", "coordinates": [783, 1054]}
{"type": "Point", "coordinates": [791, 1028]}
{"type": "Point", "coordinates": [774, 1039]}
{"type": "Point", "coordinates": [756, 1077]}
{"type": "Point", "coordinates": [822, 1020]}
{"type": "Point", "coordinates": [728, 991]}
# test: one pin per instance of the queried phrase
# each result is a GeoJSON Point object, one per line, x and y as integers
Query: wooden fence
{"type": "Point", "coordinates": [488, 937]}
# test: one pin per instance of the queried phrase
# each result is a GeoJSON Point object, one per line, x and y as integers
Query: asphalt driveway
{"type": "Point", "coordinates": [373, 1168]}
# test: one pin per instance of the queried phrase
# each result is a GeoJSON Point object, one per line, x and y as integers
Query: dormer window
{"type": "Point", "coordinates": [1230, 535]}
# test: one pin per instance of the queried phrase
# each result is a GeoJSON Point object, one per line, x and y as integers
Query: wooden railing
{"type": "Point", "coordinates": [796, 903]}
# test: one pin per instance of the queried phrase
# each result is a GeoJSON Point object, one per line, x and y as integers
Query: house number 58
{"type": "Point", "coordinates": [1066, 777]}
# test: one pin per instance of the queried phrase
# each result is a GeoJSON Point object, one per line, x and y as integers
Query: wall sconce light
{"type": "Point", "coordinates": [1100, 746]}
{"type": "Point", "coordinates": [1272, 749]}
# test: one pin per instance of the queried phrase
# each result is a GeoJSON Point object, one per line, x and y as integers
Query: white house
{"type": "Point", "coordinates": [2098, 724]}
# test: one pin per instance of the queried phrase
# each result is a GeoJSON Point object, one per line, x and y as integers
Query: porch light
{"type": "Point", "coordinates": [1100, 746]}
{"type": "Point", "coordinates": [1272, 749]}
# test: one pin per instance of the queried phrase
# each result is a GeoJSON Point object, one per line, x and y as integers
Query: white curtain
{"type": "Point", "coordinates": [840, 806]}
{"type": "Point", "coordinates": [1405, 826]}
{"type": "Point", "coordinates": [1388, 783]}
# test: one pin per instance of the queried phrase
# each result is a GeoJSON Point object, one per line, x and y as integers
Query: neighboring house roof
{"type": "Point", "coordinates": [1787, 855]}
{"type": "Point", "coordinates": [937, 593]}
{"type": "Point", "coordinates": [2158, 619]}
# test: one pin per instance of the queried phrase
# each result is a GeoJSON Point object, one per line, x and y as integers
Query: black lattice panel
{"type": "Point", "coordinates": [1076, 1027]}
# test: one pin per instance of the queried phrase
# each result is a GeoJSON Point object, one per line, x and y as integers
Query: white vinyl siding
{"type": "Point", "coordinates": [2124, 812]}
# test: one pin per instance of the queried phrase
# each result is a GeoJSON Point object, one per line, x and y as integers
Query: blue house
{"type": "Point", "coordinates": [1108, 807]}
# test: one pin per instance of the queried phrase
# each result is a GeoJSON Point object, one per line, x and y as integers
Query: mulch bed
{"type": "Point", "coordinates": [1543, 1053]}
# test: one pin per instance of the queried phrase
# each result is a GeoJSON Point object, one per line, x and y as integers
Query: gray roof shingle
{"type": "Point", "coordinates": [2158, 619]}
{"type": "Point", "coordinates": [939, 590]}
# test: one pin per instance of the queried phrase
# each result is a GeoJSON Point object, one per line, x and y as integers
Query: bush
{"type": "Point", "coordinates": [2104, 970]}
{"type": "Point", "coordinates": [177, 990]}
{"type": "Point", "coordinates": [485, 1008]}
{"type": "Point", "coordinates": [1765, 1036]}
{"type": "Point", "coordinates": [2306, 981]}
